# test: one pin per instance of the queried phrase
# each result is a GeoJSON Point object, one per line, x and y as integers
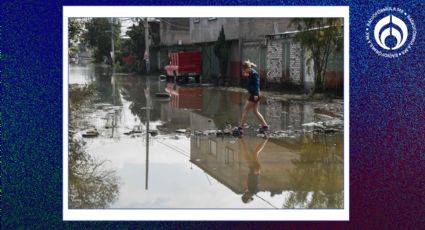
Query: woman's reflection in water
{"type": "Point", "coordinates": [251, 158]}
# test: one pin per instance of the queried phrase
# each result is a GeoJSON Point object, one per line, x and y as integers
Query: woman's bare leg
{"type": "Point", "coordinates": [258, 114]}
{"type": "Point", "coordinates": [248, 106]}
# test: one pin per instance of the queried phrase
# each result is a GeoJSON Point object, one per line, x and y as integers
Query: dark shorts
{"type": "Point", "coordinates": [251, 98]}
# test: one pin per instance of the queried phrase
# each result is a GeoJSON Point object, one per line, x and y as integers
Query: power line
{"type": "Point", "coordinates": [182, 152]}
{"type": "Point", "coordinates": [266, 201]}
{"type": "Point", "coordinates": [176, 25]}
{"type": "Point", "coordinates": [176, 147]}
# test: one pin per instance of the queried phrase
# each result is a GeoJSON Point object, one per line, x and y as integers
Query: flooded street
{"type": "Point", "coordinates": [135, 147]}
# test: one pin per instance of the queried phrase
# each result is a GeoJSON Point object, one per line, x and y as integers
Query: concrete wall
{"type": "Point", "coordinates": [249, 29]}
{"type": "Point", "coordinates": [174, 31]}
{"type": "Point", "coordinates": [252, 29]}
{"type": "Point", "coordinates": [207, 29]}
{"type": "Point", "coordinates": [235, 63]}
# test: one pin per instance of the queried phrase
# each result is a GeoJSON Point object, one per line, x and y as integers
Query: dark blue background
{"type": "Point", "coordinates": [387, 122]}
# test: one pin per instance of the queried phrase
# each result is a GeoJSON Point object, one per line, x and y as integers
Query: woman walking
{"type": "Point", "coordinates": [253, 102]}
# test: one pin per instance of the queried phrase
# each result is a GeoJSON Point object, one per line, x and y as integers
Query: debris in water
{"type": "Point", "coordinates": [181, 131]}
{"type": "Point", "coordinates": [162, 95]}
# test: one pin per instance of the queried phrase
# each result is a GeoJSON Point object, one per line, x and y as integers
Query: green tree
{"type": "Point", "coordinates": [221, 51]}
{"type": "Point", "coordinates": [137, 40]}
{"type": "Point", "coordinates": [98, 36]}
{"type": "Point", "coordinates": [320, 36]}
{"type": "Point", "coordinates": [75, 29]}
{"type": "Point", "coordinates": [136, 43]}
{"type": "Point", "coordinates": [91, 183]}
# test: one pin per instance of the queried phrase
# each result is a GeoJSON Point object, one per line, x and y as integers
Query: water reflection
{"type": "Point", "coordinates": [310, 176]}
{"type": "Point", "coordinates": [91, 183]}
{"type": "Point", "coordinates": [317, 178]}
{"type": "Point", "coordinates": [251, 158]}
{"type": "Point", "coordinates": [295, 168]}
{"type": "Point", "coordinates": [148, 108]}
{"type": "Point", "coordinates": [185, 97]}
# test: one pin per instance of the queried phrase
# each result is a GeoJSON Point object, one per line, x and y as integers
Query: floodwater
{"type": "Point", "coordinates": [183, 163]}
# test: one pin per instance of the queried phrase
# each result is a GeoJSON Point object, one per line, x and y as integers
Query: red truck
{"type": "Point", "coordinates": [184, 65]}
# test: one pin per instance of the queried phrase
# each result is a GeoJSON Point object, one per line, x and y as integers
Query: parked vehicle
{"type": "Point", "coordinates": [91, 133]}
{"type": "Point", "coordinates": [73, 58]}
{"type": "Point", "coordinates": [184, 65]}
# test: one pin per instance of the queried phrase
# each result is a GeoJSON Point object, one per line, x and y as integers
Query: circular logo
{"type": "Point", "coordinates": [390, 32]}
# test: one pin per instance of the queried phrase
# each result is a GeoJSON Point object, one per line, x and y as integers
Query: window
{"type": "Point", "coordinates": [213, 147]}
{"type": "Point", "coordinates": [228, 156]}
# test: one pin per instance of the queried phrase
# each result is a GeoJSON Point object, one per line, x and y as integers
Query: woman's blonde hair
{"type": "Point", "coordinates": [248, 64]}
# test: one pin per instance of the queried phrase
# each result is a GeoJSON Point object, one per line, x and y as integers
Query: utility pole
{"type": "Point", "coordinates": [146, 56]}
{"type": "Point", "coordinates": [148, 98]}
{"type": "Point", "coordinates": [148, 117]}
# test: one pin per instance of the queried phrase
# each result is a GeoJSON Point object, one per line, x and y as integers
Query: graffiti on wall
{"type": "Point", "coordinates": [274, 61]}
{"type": "Point", "coordinates": [274, 73]}
{"type": "Point", "coordinates": [295, 63]}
